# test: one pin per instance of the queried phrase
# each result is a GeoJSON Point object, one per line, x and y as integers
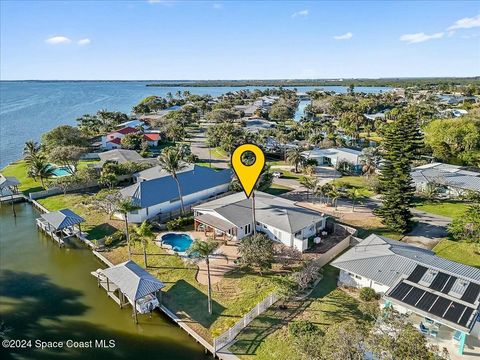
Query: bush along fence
{"type": "Point", "coordinates": [228, 336]}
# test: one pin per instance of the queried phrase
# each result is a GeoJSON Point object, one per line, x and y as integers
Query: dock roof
{"type": "Point", "coordinates": [62, 219]}
{"type": "Point", "coordinates": [134, 281]}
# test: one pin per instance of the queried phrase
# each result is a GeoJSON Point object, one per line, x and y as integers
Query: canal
{"type": "Point", "coordinates": [300, 112]}
{"type": "Point", "coordinates": [48, 294]}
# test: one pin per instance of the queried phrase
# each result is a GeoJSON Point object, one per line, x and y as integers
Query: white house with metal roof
{"type": "Point", "coordinates": [280, 219]}
{"type": "Point", "coordinates": [156, 192]}
{"type": "Point", "coordinates": [453, 179]}
{"type": "Point", "coordinates": [416, 281]}
{"type": "Point", "coordinates": [334, 156]}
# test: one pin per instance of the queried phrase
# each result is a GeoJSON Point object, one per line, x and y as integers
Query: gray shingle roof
{"type": "Point", "coordinates": [62, 219]}
{"type": "Point", "coordinates": [159, 190]}
{"type": "Point", "coordinates": [278, 212]}
{"type": "Point", "coordinates": [384, 261]}
{"type": "Point", "coordinates": [158, 172]}
{"type": "Point", "coordinates": [122, 156]}
{"type": "Point", "coordinates": [133, 280]}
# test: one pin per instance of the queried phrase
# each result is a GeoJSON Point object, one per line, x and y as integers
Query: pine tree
{"type": "Point", "coordinates": [402, 141]}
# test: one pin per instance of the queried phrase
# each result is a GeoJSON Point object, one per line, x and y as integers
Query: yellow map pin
{"type": "Point", "coordinates": [248, 174]}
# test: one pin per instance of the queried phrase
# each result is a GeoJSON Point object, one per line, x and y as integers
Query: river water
{"type": "Point", "coordinates": [28, 109]}
{"type": "Point", "coordinates": [47, 293]}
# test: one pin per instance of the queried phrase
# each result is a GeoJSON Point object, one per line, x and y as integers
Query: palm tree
{"type": "Point", "coordinates": [125, 206]}
{"type": "Point", "coordinates": [30, 150]}
{"type": "Point", "coordinates": [354, 194]}
{"type": "Point", "coordinates": [171, 161]}
{"type": "Point", "coordinates": [39, 168]}
{"type": "Point", "coordinates": [144, 233]}
{"type": "Point", "coordinates": [310, 183]}
{"type": "Point", "coordinates": [295, 157]}
{"type": "Point", "coordinates": [204, 249]}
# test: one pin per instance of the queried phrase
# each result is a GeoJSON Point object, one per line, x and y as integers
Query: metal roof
{"type": "Point", "coordinates": [448, 175]}
{"type": "Point", "coordinates": [134, 281]}
{"type": "Point", "coordinates": [7, 181]}
{"type": "Point", "coordinates": [271, 210]}
{"type": "Point", "coordinates": [62, 219]}
{"type": "Point", "coordinates": [385, 260]}
{"type": "Point", "coordinates": [159, 190]}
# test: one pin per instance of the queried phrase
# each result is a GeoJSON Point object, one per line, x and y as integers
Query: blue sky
{"type": "Point", "coordinates": [238, 40]}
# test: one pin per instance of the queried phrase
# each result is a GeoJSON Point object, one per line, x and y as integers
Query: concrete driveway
{"type": "Point", "coordinates": [428, 230]}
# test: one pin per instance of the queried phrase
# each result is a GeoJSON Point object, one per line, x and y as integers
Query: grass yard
{"type": "Point", "coordinates": [358, 182]}
{"type": "Point", "coordinates": [276, 189]}
{"type": "Point", "coordinates": [448, 208]}
{"type": "Point", "coordinates": [465, 253]}
{"type": "Point", "coordinates": [97, 223]}
{"type": "Point", "coordinates": [234, 296]}
{"type": "Point", "coordinates": [219, 153]}
{"type": "Point", "coordinates": [267, 337]}
{"type": "Point", "coordinates": [28, 185]}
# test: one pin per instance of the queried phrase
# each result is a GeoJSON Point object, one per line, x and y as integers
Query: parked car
{"type": "Point", "coordinates": [278, 174]}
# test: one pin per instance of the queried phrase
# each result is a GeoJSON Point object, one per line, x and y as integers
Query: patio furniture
{"type": "Point", "coordinates": [317, 240]}
{"type": "Point", "coordinates": [433, 333]}
{"type": "Point", "coordinates": [428, 321]}
{"type": "Point", "coordinates": [457, 335]}
{"type": "Point", "coordinates": [424, 329]}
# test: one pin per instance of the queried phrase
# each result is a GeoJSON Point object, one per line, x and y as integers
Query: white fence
{"type": "Point", "coordinates": [228, 336]}
{"type": "Point", "coordinates": [45, 193]}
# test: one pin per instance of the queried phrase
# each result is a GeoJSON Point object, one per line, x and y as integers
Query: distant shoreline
{"type": "Point", "coordinates": [364, 82]}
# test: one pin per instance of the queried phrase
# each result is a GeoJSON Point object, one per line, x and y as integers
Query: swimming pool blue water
{"type": "Point", "coordinates": [59, 171]}
{"type": "Point", "coordinates": [178, 242]}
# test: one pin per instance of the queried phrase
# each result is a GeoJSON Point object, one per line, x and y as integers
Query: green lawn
{"type": "Point", "coordinates": [267, 336]}
{"type": "Point", "coordinates": [359, 182]}
{"type": "Point", "coordinates": [276, 189]}
{"type": "Point", "coordinates": [97, 223]}
{"type": "Point", "coordinates": [219, 153]}
{"type": "Point", "coordinates": [233, 296]}
{"type": "Point", "coordinates": [448, 208]}
{"type": "Point", "coordinates": [465, 253]}
{"type": "Point", "coordinates": [28, 185]}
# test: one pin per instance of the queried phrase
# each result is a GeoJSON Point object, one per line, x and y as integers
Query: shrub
{"type": "Point", "coordinates": [302, 327]}
{"type": "Point", "coordinates": [370, 310]}
{"type": "Point", "coordinates": [368, 294]}
{"type": "Point", "coordinates": [114, 238]}
{"type": "Point", "coordinates": [180, 222]}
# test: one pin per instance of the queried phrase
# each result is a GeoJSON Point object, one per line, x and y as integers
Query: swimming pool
{"type": "Point", "coordinates": [59, 171]}
{"type": "Point", "coordinates": [179, 242]}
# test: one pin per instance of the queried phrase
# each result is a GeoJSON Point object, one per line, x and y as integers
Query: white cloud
{"type": "Point", "coordinates": [57, 40]}
{"type": "Point", "coordinates": [162, 2]}
{"type": "Point", "coordinates": [420, 37]}
{"type": "Point", "coordinates": [85, 41]}
{"type": "Point", "coordinates": [466, 23]}
{"type": "Point", "coordinates": [300, 13]}
{"type": "Point", "coordinates": [345, 36]}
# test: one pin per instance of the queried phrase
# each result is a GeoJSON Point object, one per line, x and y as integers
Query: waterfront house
{"type": "Point", "coordinates": [334, 156]}
{"type": "Point", "coordinates": [122, 156]}
{"type": "Point", "coordinates": [113, 139]}
{"type": "Point", "coordinates": [280, 219]}
{"type": "Point", "coordinates": [156, 192]}
{"type": "Point", "coordinates": [134, 123]}
{"type": "Point", "coordinates": [247, 110]}
{"type": "Point", "coordinates": [452, 180]}
{"type": "Point", "coordinates": [438, 295]}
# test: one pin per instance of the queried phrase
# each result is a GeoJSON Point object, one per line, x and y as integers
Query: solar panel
{"type": "Point", "coordinates": [439, 282]}
{"type": "Point", "coordinates": [427, 301]}
{"type": "Point", "coordinates": [466, 316]}
{"type": "Point", "coordinates": [417, 273]}
{"type": "Point", "coordinates": [471, 294]}
{"type": "Point", "coordinates": [413, 296]}
{"type": "Point", "coordinates": [440, 306]}
{"type": "Point", "coordinates": [400, 291]}
{"type": "Point", "coordinates": [449, 284]}
{"type": "Point", "coordinates": [454, 312]}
